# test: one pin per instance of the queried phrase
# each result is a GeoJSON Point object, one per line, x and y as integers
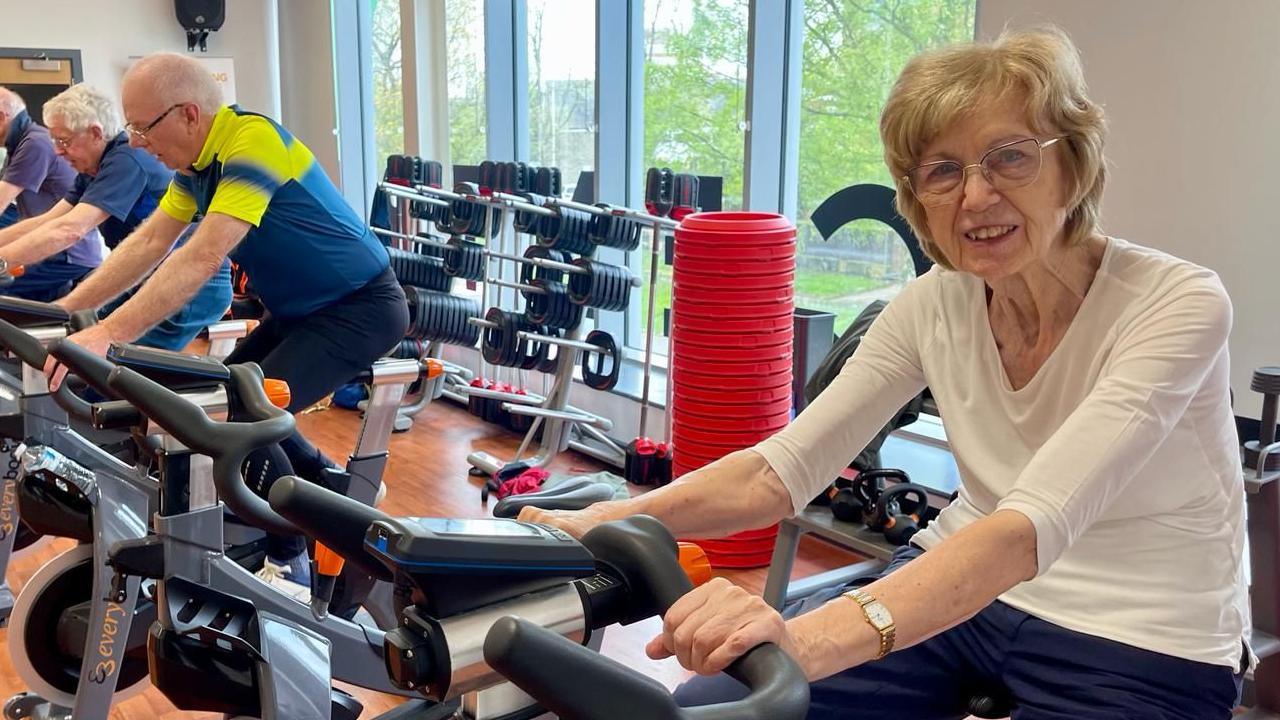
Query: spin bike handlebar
{"type": "Point", "coordinates": [87, 365]}
{"type": "Point", "coordinates": [21, 343]}
{"type": "Point", "coordinates": [31, 313]}
{"type": "Point", "coordinates": [576, 683]}
{"type": "Point", "coordinates": [33, 353]}
{"type": "Point", "coordinates": [228, 443]}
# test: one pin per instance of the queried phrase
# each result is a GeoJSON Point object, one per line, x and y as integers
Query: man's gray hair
{"type": "Point", "coordinates": [173, 79]}
{"type": "Point", "coordinates": [11, 103]}
{"type": "Point", "coordinates": [80, 107]}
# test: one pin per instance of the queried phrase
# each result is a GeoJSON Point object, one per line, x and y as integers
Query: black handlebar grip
{"type": "Point", "coordinates": [32, 313]}
{"type": "Point", "coordinates": [227, 443]}
{"type": "Point", "coordinates": [28, 349]}
{"type": "Point", "coordinates": [332, 518]}
{"type": "Point", "coordinates": [570, 681]}
{"type": "Point", "coordinates": [90, 367]}
{"type": "Point", "coordinates": [81, 319]}
{"type": "Point", "coordinates": [578, 684]}
{"type": "Point", "coordinates": [114, 415]}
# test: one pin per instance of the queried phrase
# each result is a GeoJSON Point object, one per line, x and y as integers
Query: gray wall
{"type": "Point", "coordinates": [110, 34]}
{"type": "Point", "coordinates": [1192, 93]}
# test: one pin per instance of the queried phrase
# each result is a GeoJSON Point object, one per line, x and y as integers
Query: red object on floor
{"type": "Point", "coordinates": [526, 482]}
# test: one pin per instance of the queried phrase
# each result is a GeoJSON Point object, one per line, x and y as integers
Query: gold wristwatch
{"type": "Point", "coordinates": [878, 616]}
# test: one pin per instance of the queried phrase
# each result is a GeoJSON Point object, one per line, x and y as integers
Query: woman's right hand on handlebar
{"type": "Point", "coordinates": [576, 522]}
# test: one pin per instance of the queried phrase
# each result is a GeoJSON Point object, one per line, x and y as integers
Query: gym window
{"type": "Point", "coordinates": [464, 20]}
{"type": "Point", "coordinates": [388, 93]}
{"type": "Point", "coordinates": [562, 87]}
{"type": "Point", "coordinates": [853, 52]}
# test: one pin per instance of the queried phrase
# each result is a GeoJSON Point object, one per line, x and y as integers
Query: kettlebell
{"type": "Point", "coordinates": [899, 510]}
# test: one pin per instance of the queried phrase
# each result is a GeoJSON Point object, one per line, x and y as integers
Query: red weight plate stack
{"type": "Point", "coordinates": [731, 342]}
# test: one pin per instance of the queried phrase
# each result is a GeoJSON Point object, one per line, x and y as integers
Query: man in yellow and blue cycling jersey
{"type": "Point", "coordinates": [333, 304]}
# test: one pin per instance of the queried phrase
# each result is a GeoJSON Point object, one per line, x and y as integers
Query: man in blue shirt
{"type": "Point", "coordinates": [117, 188]}
{"type": "Point", "coordinates": [37, 179]}
{"type": "Point", "coordinates": [334, 305]}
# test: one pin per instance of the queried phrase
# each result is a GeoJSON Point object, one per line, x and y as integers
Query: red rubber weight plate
{"type": "Point", "coordinates": [729, 561]}
{"type": "Point", "coordinates": [735, 237]}
{"type": "Point", "coordinates": [734, 312]}
{"type": "Point", "coordinates": [730, 294]}
{"type": "Point", "coordinates": [744, 313]}
{"type": "Point", "coordinates": [776, 341]}
{"type": "Point", "coordinates": [731, 266]}
{"type": "Point", "coordinates": [730, 356]}
{"type": "Point", "coordinates": [736, 546]}
{"type": "Point", "coordinates": [685, 379]}
{"type": "Point", "coordinates": [697, 433]}
{"type": "Point", "coordinates": [737, 283]}
{"type": "Point", "coordinates": [695, 323]}
{"type": "Point", "coordinates": [767, 413]}
{"type": "Point", "coordinates": [721, 369]}
{"type": "Point", "coordinates": [736, 220]}
{"type": "Point", "coordinates": [766, 390]}
{"type": "Point", "coordinates": [736, 253]}
{"type": "Point", "coordinates": [728, 425]}
{"type": "Point", "coordinates": [721, 417]}
{"type": "Point", "coordinates": [712, 281]}
{"type": "Point", "coordinates": [765, 532]}
{"type": "Point", "coordinates": [733, 394]}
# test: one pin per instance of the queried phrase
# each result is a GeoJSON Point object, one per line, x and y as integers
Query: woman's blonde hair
{"type": "Point", "coordinates": [939, 88]}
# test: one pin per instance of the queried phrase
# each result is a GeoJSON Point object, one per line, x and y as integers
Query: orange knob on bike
{"type": "Point", "coordinates": [278, 392]}
{"type": "Point", "coordinates": [328, 562]}
{"type": "Point", "coordinates": [694, 563]}
{"type": "Point", "coordinates": [434, 368]}
{"type": "Point", "coordinates": [17, 271]}
{"type": "Point", "coordinates": [326, 568]}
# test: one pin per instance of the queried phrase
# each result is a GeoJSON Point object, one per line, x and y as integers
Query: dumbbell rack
{"type": "Point", "coordinates": [403, 223]}
{"type": "Point", "coordinates": [562, 425]}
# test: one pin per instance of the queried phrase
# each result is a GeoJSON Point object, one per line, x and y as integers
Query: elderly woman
{"type": "Point", "coordinates": [1092, 564]}
{"type": "Point", "coordinates": [117, 188]}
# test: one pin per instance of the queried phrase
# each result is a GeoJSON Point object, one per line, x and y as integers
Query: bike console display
{"type": "Point", "coordinates": [454, 562]}
{"type": "Point", "coordinates": [174, 370]}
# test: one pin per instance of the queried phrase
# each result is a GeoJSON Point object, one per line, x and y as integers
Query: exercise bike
{"type": "Point", "coordinates": [47, 322]}
{"type": "Point", "coordinates": [494, 612]}
{"type": "Point", "coordinates": [69, 668]}
{"type": "Point", "coordinates": [200, 589]}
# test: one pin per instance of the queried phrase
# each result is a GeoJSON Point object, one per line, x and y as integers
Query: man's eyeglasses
{"type": "Point", "coordinates": [1008, 166]}
{"type": "Point", "coordinates": [64, 143]}
{"type": "Point", "coordinates": [141, 132]}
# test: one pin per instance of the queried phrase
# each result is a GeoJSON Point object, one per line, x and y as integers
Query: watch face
{"type": "Point", "coordinates": [879, 616]}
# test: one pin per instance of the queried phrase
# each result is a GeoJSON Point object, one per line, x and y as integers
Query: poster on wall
{"type": "Point", "coordinates": [223, 70]}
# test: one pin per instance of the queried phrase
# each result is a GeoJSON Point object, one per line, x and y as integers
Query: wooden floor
{"type": "Point", "coordinates": [427, 476]}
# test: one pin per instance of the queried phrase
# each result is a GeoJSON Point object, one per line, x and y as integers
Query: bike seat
{"type": "Point", "coordinates": [572, 495]}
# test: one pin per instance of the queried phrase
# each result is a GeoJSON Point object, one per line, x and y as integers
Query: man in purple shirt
{"type": "Point", "coordinates": [37, 179]}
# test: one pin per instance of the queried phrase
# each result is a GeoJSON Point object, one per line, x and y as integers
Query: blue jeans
{"type": "Point", "coordinates": [47, 280]}
{"type": "Point", "coordinates": [1050, 672]}
{"type": "Point", "coordinates": [178, 330]}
